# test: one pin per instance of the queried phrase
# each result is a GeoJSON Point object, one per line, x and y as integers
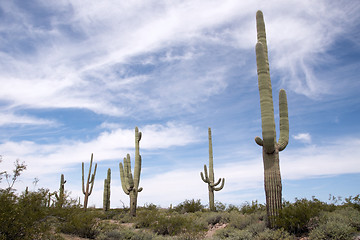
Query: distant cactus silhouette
{"type": "Point", "coordinates": [89, 183]}
{"type": "Point", "coordinates": [209, 178]}
{"type": "Point", "coordinates": [271, 147]}
{"type": "Point", "coordinates": [130, 184]}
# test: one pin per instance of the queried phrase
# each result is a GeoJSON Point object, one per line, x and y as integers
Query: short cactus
{"type": "Point", "coordinates": [209, 178]}
{"type": "Point", "coordinates": [130, 184]}
{"type": "Point", "coordinates": [106, 200]}
{"type": "Point", "coordinates": [90, 181]}
{"type": "Point", "coordinates": [271, 148]}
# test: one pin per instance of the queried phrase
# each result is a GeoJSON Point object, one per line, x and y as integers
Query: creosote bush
{"type": "Point", "coordinates": [189, 206]}
{"type": "Point", "coordinates": [80, 223]}
{"type": "Point", "coordinates": [24, 216]}
{"type": "Point", "coordinates": [339, 224]}
{"type": "Point", "coordinates": [163, 222]}
{"type": "Point", "coordinates": [295, 217]}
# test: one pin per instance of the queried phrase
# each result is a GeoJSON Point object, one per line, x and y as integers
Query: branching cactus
{"type": "Point", "coordinates": [106, 200]}
{"type": "Point", "coordinates": [271, 147]}
{"type": "Point", "coordinates": [61, 197]}
{"type": "Point", "coordinates": [87, 190]}
{"type": "Point", "coordinates": [209, 178]}
{"type": "Point", "coordinates": [130, 184]}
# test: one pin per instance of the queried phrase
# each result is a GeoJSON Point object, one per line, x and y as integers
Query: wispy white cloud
{"type": "Point", "coordinates": [77, 67]}
{"type": "Point", "coordinates": [109, 145]}
{"type": "Point", "coordinates": [303, 137]}
{"type": "Point", "coordinates": [15, 119]}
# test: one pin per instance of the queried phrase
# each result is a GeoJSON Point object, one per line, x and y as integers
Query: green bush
{"type": "Point", "coordinates": [165, 223]}
{"type": "Point", "coordinates": [256, 227]}
{"type": "Point", "coordinates": [340, 224]}
{"type": "Point", "coordinates": [24, 216]}
{"type": "Point", "coordinates": [295, 217]}
{"type": "Point", "coordinates": [241, 221]}
{"type": "Point", "coordinates": [233, 234]}
{"type": "Point", "coordinates": [248, 208]}
{"type": "Point", "coordinates": [189, 206]}
{"type": "Point", "coordinates": [232, 207]}
{"type": "Point", "coordinates": [278, 234]}
{"type": "Point", "coordinates": [124, 234]}
{"type": "Point", "coordinates": [219, 206]}
{"type": "Point", "coordinates": [213, 218]}
{"type": "Point", "coordinates": [353, 202]}
{"type": "Point", "coordinates": [80, 223]}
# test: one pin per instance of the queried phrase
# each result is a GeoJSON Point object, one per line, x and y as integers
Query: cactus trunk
{"type": "Point", "coordinates": [106, 200]}
{"type": "Point", "coordinates": [272, 184]}
{"type": "Point", "coordinates": [271, 147]}
{"type": "Point", "coordinates": [130, 184]}
{"type": "Point", "coordinates": [133, 203]}
{"type": "Point", "coordinates": [89, 183]}
{"type": "Point", "coordinates": [209, 178]}
{"type": "Point", "coordinates": [61, 197]}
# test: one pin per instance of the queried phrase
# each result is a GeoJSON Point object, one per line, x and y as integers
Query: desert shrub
{"type": "Point", "coordinates": [189, 206]}
{"type": "Point", "coordinates": [145, 219]}
{"type": "Point", "coordinates": [219, 206]}
{"type": "Point", "coordinates": [24, 216]}
{"type": "Point", "coordinates": [124, 234]}
{"type": "Point", "coordinates": [256, 227]}
{"type": "Point", "coordinates": [230, 233]}
{"type": "Point", "coordinates": [232, 207]}
{"type": "Point", "coordinates": [340, 224]}
{"type": "Point", "coordinates": [175, 224]}
{"type": "Point", "coordinates": [213, 218]}
{"type": "Point", "coordinates": [80, 223]}
{"type": "Point", "coordinates": [241, 221]}
{"type": "Point", "coordinates": [248, 208]}
{"type": "Point", "coordinates": [278, 234]}
{"type": "Point", "coordinates": [123, 216]}
{"type": "Point", "coordinates": [353, 202]}
{"type": "Point", "coordinates": [332, 230]}
{"type": "Point", "coordinates": [164, 223]}
{"type": "Point", "coordinates": [149, 206]}
{"type": "Point", "coordinates": [295, 217]}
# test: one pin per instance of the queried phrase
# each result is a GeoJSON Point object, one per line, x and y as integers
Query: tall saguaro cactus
{"type": "Point", "coordinates": [209, 178]}
{"type": "Point", "coordinates": [61, 197]}
{"type": "Point", "coordinates": [106, 200]}
{"type": "Point", "coordinates": [89, 183]}
{"type": "Point", "coordinates": [271, 147]}
{"type": "Point", "coordinates": [130, 184]}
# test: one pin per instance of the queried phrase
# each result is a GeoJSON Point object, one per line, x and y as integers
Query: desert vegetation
{"type": "Point", "coordinates": [28, 216]}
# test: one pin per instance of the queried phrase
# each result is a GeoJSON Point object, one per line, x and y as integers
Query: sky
{"type": "Point", "coordinates": [77, 78]}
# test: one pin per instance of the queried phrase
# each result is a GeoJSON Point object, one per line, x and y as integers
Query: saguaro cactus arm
{"type": "Point", "coordinates": [284, 121]}
{"type": "Point", "coordinates": [92, 179]}
{"type": "Point", "coordinates": [126, 178]}
{"type": "Point", "coordinates": [221, 186]}
{"type": "Point", "coordinates": [206, 178]}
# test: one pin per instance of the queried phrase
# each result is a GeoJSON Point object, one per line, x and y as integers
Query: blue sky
{"type": "Point", "coordinates": [76, 79]}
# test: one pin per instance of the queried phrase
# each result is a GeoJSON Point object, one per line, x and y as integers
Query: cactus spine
{"type": "Point", "coordinates": [89, 183]}
{"type": "Point", "coordinates": [130, 184]}
{"type": "Point", "coordinates": [209, 178]}
{"type": "Point", "coordinates": [61, 197]}
{"type": "Point", "coordinates": [106, 200]}
{"type": "Point", "coordinates": [271, 148]}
